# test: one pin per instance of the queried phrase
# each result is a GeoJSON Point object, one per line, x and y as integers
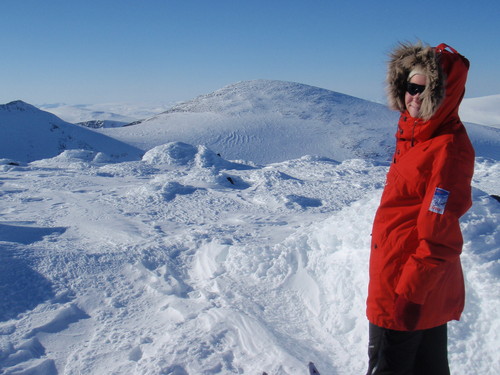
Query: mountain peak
{"type": "Point", "coordinates": [263, 97]}
{"type": "Point", "coordinates": [28, 133]}
{"type": "Point", "coordinates": [268, 121]}
{"type": "Point", "coordinates": [18, 105]}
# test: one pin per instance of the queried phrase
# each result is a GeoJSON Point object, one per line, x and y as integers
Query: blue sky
{"type": "Point", "coordinates": [153, 51]}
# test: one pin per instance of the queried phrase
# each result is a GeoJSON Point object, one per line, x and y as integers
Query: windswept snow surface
{"type": "Point", "coordinates": [185, 262]}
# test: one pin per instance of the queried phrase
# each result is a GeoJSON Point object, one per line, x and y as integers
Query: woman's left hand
{"type": "Point", "coordinates": [407, 313]}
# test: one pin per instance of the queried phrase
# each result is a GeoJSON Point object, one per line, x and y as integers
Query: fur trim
{"type": "Point", "coordinates": [402, 61]}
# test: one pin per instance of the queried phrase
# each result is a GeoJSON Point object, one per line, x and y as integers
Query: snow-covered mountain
{"type": "Point", "coordinates": [111, 114]}
{"type": "Point", "coordinates": [97, 124]}
{"type": "Point", "coordinates": [186, 262]}
{"type": "Point", "coordinates": [482, 110]}
{"type": "Point", "coordinates": [268, 121]}
{"type": "Point", "coordinates": [261, 121]}
{"type": "Point", "coordinates": [28, 134]}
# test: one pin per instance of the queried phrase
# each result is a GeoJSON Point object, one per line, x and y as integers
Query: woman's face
{"type": "Point", "coordinates": [413, 102]}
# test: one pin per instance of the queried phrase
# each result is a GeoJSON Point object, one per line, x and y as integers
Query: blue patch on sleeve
{"type": "Point", "coordinates": [439, 200]}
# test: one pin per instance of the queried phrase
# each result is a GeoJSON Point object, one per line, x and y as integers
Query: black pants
{"type": "Point", "coordinates": [422, 352]}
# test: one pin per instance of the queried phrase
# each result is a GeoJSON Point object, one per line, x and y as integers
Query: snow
{"type": "Point", "coordinates": [111, 114]}
{"type": "Point", "coordinates": [30, 134]}
{"type": "Point", "coordinates": [481, 110]}
{"type": "Point", "coordinates": [177, 260]}
{"type": "Point", "coordinates": [270, 121]}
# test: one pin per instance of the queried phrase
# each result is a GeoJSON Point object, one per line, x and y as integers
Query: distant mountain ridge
{"type": "Point", "coordinates": [262, 121]}
{"type": "Point", "coordinates": [269, 121]}
{"type": "Point", "coordinates": [97, 124]}
{"type": "Point", "coordinates": [111, 114]}
{"type": "Point", "coordinates": [18, 106]}
{"type": "Point", "coordinates": [265, 96]}
{"type": "Point", "coordinates": [28, 133]}
{"type": "Point", "coordinates": [484, 110]}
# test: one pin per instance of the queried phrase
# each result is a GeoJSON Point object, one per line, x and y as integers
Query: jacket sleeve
{"type": "Point", "coordinates": [447, 197]}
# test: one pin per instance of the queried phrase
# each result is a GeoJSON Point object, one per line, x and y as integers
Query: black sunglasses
{"type": "Point", "coordinates": [414, 89]}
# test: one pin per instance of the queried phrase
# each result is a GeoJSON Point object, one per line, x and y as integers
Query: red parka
{"type": "Point", "coordinates": [416, 237]}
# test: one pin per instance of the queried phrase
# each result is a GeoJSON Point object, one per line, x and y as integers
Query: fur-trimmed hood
{"type": "Point", "coordinates": [402, 61]}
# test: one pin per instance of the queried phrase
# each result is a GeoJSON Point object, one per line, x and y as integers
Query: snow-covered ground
{"type": "Point", "coordinates": [182, 261]}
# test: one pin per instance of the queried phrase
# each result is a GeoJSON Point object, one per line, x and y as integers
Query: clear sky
{"type": "Point", "coordinates": [161, 51]}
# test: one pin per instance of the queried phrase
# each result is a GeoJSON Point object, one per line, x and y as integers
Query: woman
{"type": "Point", "coordinates": [416, 282]}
